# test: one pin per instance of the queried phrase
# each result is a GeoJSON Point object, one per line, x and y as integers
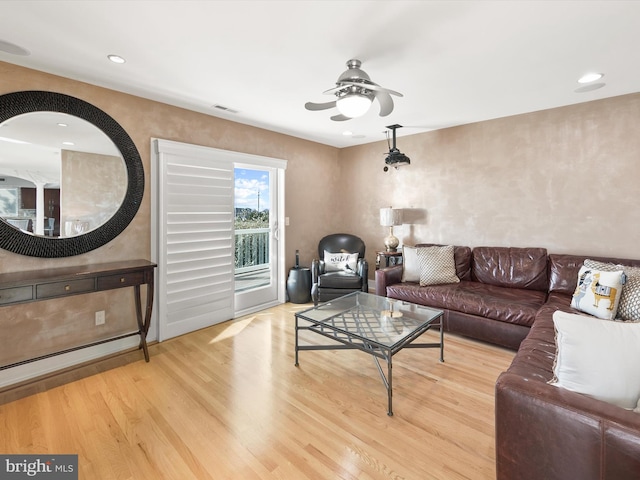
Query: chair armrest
{"type": "Point", "coordinates": [315, 270]}
{"type": "Point", "coordinates": [387, 276]}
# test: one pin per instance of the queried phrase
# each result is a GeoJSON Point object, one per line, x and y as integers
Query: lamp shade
{"type": "Point", "coordinates": [390, 217]}
{"type": "Point", "coordinates": [353, 105]}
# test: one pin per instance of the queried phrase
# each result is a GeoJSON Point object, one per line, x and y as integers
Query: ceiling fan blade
{"type": "Point", "coordinates": [378, 88]}
{"type": "Point", "coordinates": [335, 89]}
{"type": "Point", "coordinates": [368, 85]}
{"type": "Point", "coordinates": [386, 103]}
{"type": "Point", "coordinates": [340, 118]}
{"type": "Point", "coordinates": [319, 106]}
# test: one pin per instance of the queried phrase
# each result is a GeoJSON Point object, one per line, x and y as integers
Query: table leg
{"type": "Point", "coordinates": [296, 364]}
{"type": "Point", "coordinates": [143, 324]}
{"type": "Point", "coordinates": [441, 340]}
{"type": "Point", "coordinates": [389, 385]}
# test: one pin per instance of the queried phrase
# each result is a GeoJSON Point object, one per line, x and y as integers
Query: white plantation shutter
{"type": "Point", "coordinates": [195, 245]}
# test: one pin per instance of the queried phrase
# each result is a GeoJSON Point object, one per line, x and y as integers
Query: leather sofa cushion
{"type": "Point", "coordinates": [538, 351]}
{"type": "Point", "coordinates": [563, 270]}
{"type": "Point", "coordinates": [524, 268]}
{"type": "Point", "coordinates": [339, 280]}
{"type": "Point", "coordinates": [512, 305]}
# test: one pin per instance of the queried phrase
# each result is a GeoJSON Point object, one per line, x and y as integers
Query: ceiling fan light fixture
{"type": "Point", "coordinates": [355, 93]}
{"type": "Point", "coordinates": [353, 105]}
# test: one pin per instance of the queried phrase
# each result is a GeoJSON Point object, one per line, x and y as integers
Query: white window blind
{"type": "Point", "coordinates": [195, 244]}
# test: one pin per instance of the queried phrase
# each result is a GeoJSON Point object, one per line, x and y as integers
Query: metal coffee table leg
{"type": "Point", "coordinates": [386, 379]}
{"type": "Point", "coordinates": [296, 364]}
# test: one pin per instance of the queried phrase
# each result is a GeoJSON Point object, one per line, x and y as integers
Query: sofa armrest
{"type": "Point", "coordinates": [543, 431]}
{"type": "Point", "coordinates": [387, 276]}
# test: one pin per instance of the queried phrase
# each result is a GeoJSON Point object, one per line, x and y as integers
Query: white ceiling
{"type": "Point", "coordinates": [456, 62]}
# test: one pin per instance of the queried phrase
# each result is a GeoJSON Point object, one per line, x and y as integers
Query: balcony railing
{"type": "Point", "coordinates": [251, 249]}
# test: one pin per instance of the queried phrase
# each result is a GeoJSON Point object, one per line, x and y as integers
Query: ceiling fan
{"type": "Point", "coordinates": [355, 92]}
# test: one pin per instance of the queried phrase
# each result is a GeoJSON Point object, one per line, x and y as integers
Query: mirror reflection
{"type": "Point", "coordinates": [60, 176]}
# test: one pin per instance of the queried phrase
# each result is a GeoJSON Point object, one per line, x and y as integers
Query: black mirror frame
{"type": "Point", "coordinates": [16, 241]}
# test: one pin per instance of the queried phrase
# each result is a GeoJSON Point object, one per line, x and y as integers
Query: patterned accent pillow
{"type": "Point", "coordinates": [629, 306]}
{"type": "Point", "coordinates": [437, 265]}
{"type": "Point", "coordinates": [598, 292]}
{"type": "Point", "coordinates": [340, 262]}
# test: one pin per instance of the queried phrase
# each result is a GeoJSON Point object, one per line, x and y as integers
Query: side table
{"type": "Point", "coordinates": [388, 259]}
{"type": "Point", "coordinates": [299, 285]}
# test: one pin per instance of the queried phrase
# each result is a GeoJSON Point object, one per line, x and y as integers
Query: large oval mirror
{"type": "Point", "coordinates": [71, 179]}
{"type": "Point", "coordinates": [60, 176]}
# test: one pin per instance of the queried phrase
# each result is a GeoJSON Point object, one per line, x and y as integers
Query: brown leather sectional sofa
{"type": "Point", "coordinates": [507, 296]}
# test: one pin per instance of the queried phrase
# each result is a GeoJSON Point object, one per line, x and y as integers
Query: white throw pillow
{"type": "Point", "coordinates": [598, 292]}
{"type": "Point", "coordinates": [410, 267]}
{"type": "Point", "coordinates": [599, 358]}
{"type": "Point", "coordinates": [338, 262]}
{"type": "Point", "coordinates": [629, 306]}
{"type": "Point", "coordinates": [437, 265]}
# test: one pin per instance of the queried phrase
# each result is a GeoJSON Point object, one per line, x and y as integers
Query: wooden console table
{"type": "Point", "coordinates": [39, 285]}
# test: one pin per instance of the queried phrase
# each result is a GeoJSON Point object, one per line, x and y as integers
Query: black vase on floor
{"type": "Point", "coordinates": [299, 285]}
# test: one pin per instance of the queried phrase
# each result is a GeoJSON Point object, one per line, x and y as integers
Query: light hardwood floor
{"type": "Point", "coordinates": [226, 402]}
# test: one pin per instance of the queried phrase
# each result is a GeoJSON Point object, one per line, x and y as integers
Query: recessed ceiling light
{"type": "Point", "coordinates": [116, 58]}
{"type": "Point", "coordinates": [63, 125]}
{"type": "Point", "coordinates": [347, 133]}
{"type": "Point", "coordinates": [68, 143]}
{"type": "Point", "coordinates": [590, 77]}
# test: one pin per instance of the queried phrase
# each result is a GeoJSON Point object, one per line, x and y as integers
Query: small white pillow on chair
{"type": "Point", "coordinates": [340, 262]}
{"type": "Point", "coordinates": [599, 358]}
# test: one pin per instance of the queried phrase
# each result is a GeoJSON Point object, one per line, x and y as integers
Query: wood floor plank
{"type": "Point", "coordinates": [227, 402]}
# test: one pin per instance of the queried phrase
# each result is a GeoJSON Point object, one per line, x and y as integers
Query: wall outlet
{"type": "Point", "coordinates": [100, 318]}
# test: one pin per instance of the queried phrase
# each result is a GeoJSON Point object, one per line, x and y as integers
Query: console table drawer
{"type": "Point", "coordinates": [118, 281]}
{"type": "Point", "coordinates": [17, 294]}
{"type": "Point", "coordinates": [58, 289]}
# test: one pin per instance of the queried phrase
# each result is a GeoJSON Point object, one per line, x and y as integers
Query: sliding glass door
{"type": "Point", "coordinates": [217, 242]}
{"type": "Point", "coordinates": [256, 236]}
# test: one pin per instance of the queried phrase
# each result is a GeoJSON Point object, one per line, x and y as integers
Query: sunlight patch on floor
{"type": "Point", "coordinates": [233, 329]}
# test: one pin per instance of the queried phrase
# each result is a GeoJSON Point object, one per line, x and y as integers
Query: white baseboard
{"type": "Point", "coordinates": [38, 368]}
{"type": "Point", "coordinates": [248, 311]}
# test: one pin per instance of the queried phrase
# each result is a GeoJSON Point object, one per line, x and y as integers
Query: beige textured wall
{"type": "Point", "coordinates": [565, 179]}
{"type": "Point", "coordinates": [309, 203]}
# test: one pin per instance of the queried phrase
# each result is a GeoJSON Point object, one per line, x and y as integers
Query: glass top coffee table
{"type": "Point", "coordinates": [376, 325]}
